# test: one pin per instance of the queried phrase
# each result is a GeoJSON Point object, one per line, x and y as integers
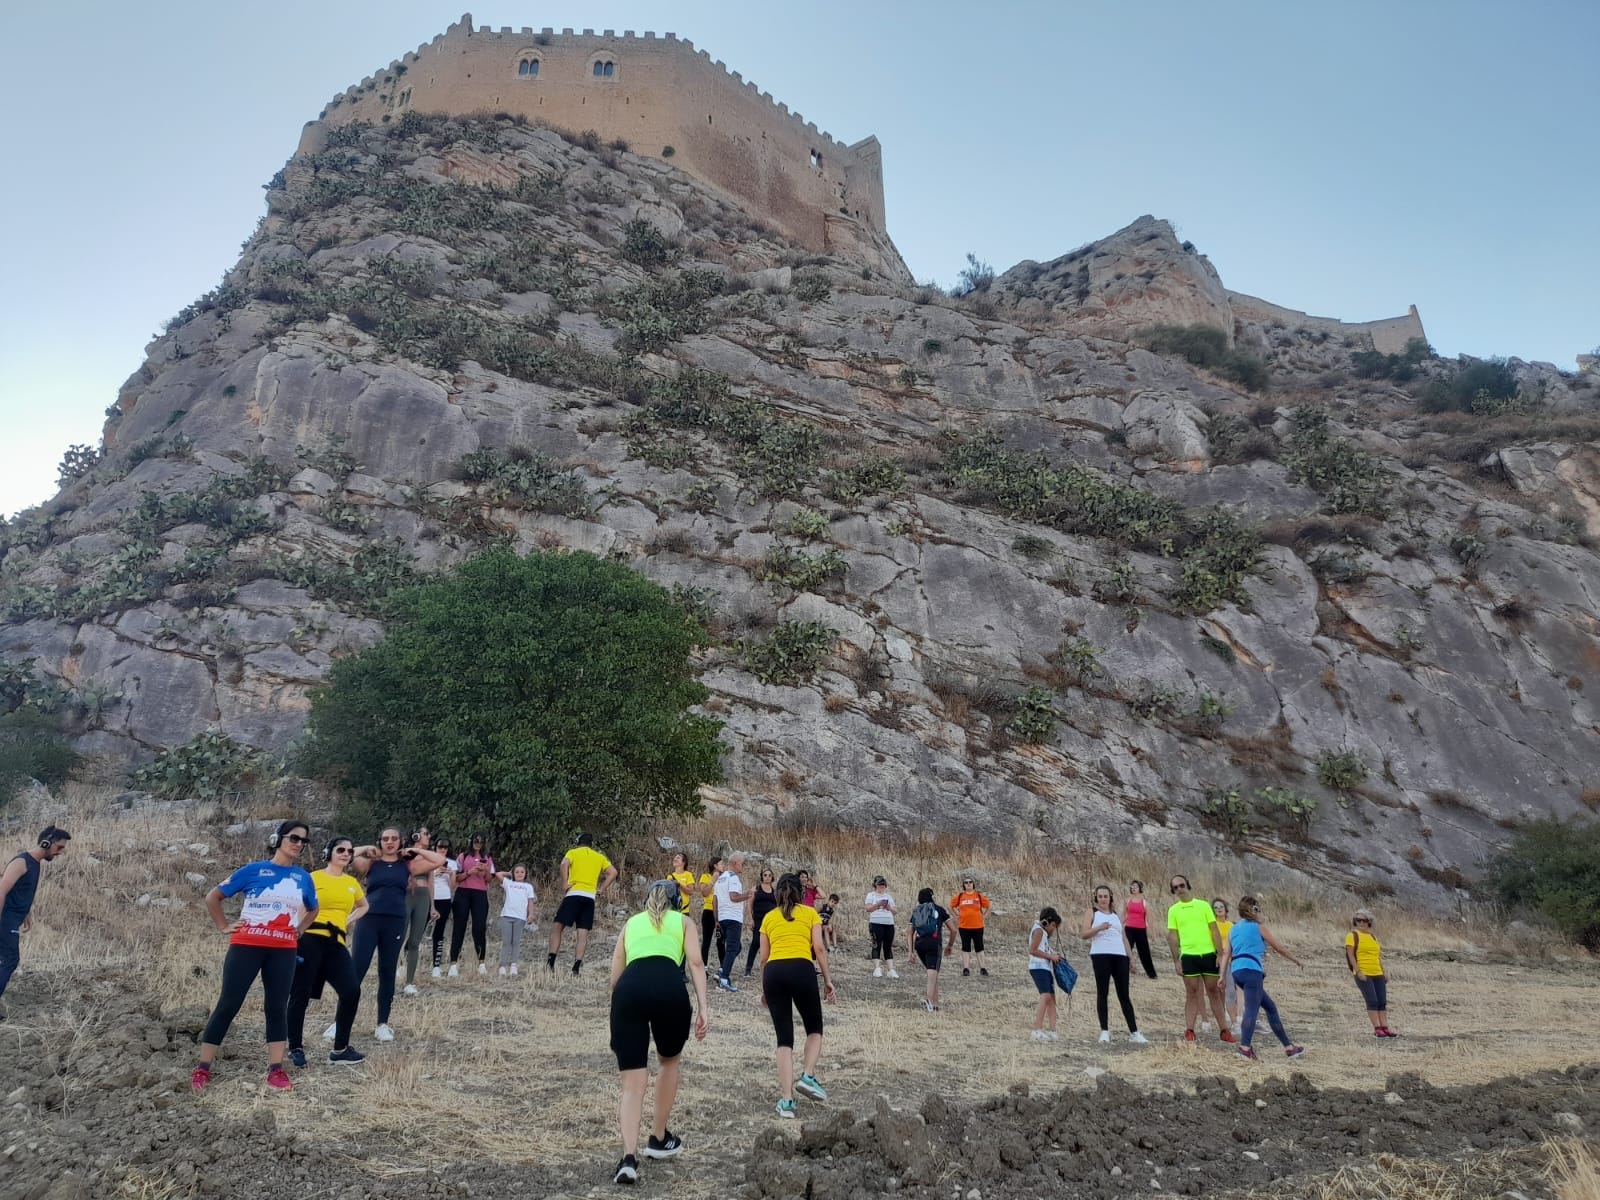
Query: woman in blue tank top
{"type": "Point", "coordinates": [386, 871]}
{"type": "Point", "coordinates": [1247, 947]}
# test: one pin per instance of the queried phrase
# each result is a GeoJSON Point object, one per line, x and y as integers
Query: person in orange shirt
{"type": "Point", "coordinates": [970, 905]}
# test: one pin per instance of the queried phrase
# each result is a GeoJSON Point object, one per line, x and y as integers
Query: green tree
{"type": "Point", "coordinates": [1553, 868]}
{"type": "Point", "coordinates": [525, 696]}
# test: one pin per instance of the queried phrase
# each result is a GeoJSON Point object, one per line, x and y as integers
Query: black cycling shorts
{"type": "Point", "coordinates": [928, 951]}
{"type": "Point", "coordinates": [649, 1001]}
{"type": "Point", "coordinates": [1203, 965]}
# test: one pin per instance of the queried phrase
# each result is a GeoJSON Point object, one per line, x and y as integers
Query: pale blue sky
{"type": "Point", "coordinates": [1346, 158]}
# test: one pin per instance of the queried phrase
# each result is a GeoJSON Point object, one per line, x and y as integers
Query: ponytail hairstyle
{"type": "Point", "coordinates": [1249, 908]}
{"type": "Point", "coordinates": [660, 900]}
{"type": "Point", "coordinates": [788, 894]}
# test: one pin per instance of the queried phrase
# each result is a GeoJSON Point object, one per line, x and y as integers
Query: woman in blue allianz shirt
{"type": "Point", "coordinates": [1247, 944]}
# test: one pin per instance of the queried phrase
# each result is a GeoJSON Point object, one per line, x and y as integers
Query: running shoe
{"type": "Point", "coordinates": [627, 1170]}
{"type": "Point", "coordinates": [200, 1078]}
{"type": "Point", "coordinates": [1188, 1035]}
{"type": "Point", "coordinates": [1293, 1051]}
{"type": "Point", "coordinates": [502, 972]}
{"type": "Point", "coordinates": [278, 1078]}
{"type": "Point", "coordinates": [1138, 1039]}
{"type": "Point", "coordinates": [1038, 1036]}
{"type": "Point", "coordinates": [1246, 1052]}
{"type": "Point", "coordinates": [877, 972]}
{"type": "Point", "coordinates": [438, 972]}
{"type": "Point", "coordinates": [383, 1033]}
{"type": "Point", "coordinates": [725, 984]}
{"type": "Point", "coordinates": [455, 970]}
{"type": "Point", "coordinates": [513, 968]}
{"type": "Point", "coordinates": [1105, 1036]}
{"type": "Point", "coordinates": [787, 1109]}
{"type": "Point", "coordinates": [1227, 1036]}
{"type": "Point", "coordinates": [667, 1147]}
{"type": "Point", "coordinates": [893, 974]}
{"type": "Point", "coordinates": [809, 1085]}
{"type": "Point", "coordinates": [965, 971]}
{"type": "Point", "coordinates": [984, 971]}
{"type": "Point", "coordinates": [297, 1056]}
{"type": "Point", "coordinates": [1050, 1035]}
{"type": "Point", "coordinates": [409, 990]}
{"type": "Point", "coordinates": [483, 968]}
{"type": "Point", "coordinates": [1386, 1032]}
{"type": "Point", "coordinates": [330, 1031]}
{"type": "Point", "coordinates": [348, 1057]}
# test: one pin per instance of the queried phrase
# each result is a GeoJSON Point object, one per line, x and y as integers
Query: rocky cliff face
{"type": "Point", "coordinates": [977, 565]}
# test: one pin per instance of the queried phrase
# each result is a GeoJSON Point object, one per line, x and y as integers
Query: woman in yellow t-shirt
{"type": "Point", "coordinates": [792, 955]}
{"type": "Point", "coordinates": [1365, 956]}
{"type": "Point", "coordinates": [1230, 990]}
{"type": "Point", "coordinates": [684, 878]}
{"type": "Point", "coordinates": [323, 956]}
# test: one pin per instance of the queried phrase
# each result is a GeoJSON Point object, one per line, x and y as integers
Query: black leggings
{"type": "Point", "coordinates": [470, 903]}
{"type": "Point", "coordinates": [441, 922]}
{"type": "Point", "coordinates": [649, 1001]}
{"type": "Point", "coordinates": [792, 980]}
{"type": "Point", "coordinates": [385, 934]}
{"type": "Point", "coordinates": [1109, 969]}
{"type": "Point", "coordinates": [1139, 939]}
{"type": "Point", "coordinates": [323, 961]}
{"type": "Point", "coordinates": [709, 929]}
{"type": "Point", "coordinates": [275, 965]}
{"type": "Point", "coordinates": [882, 940]}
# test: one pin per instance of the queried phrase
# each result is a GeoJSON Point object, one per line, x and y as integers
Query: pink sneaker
{"type": "Point", "coordinates": [200, 1078]}
{"type": "Point", "coordinates": [279, 1078]}
{"type": "Point", "coordinates": [1293, 1051]}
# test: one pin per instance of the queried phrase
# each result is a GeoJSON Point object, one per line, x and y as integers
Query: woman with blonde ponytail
{"type": "Point", "coordinates": [648, 1000]}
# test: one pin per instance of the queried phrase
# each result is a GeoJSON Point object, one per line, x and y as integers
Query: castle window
{"type": "Point", "coordinates": [528, 67]}
{"type": "Point", "coordinates": [816, 160]}
{"type": "Point", "coordinates": [604, 68]}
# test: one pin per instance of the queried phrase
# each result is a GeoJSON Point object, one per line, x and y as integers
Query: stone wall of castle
{"type": "Point", "coordinates": [1388, 336]}
{"type": "Point", "coordinates": [654, 93]}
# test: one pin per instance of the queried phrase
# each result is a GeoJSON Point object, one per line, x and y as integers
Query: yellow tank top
{"type": "Point", "coordinates": [641, 939]}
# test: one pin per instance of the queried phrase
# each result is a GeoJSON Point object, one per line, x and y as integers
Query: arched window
{"type": "Point", "coordinates": [604, 68]}
{"type": "Point", "coordinates": [528, 65]}
{"type": "Point", "coordinates": [611, 68]}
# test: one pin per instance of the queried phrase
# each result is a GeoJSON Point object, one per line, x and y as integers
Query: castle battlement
{"type": "Point", "coordinates": [663, 96]}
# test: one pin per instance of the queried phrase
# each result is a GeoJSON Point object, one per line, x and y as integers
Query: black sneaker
{"type": "Point", "coordinates": [984, 971]}
{"type": "Point", "coordinates": [348, 1056]}
{"type": "Point", "coordinates": [627, 1170]}
{"type": "Point", "coordinates": [966, 970]}
{"type": "Point", "coordinates": [667, 1147]}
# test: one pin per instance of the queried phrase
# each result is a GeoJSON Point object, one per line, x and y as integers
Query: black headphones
{"type": "Point", "coordinates": [1172, 889]}
{"type": "Point", "coordinates": [276, 839]}
{"type": "Point", "coordinates": [327, 851]}
{"type": "Point", "coordinates": [51, 836]}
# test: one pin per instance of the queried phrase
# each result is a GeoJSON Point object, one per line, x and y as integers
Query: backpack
{"type": "Point", "coordinates": [925, 920]}
{"type": "Point", "coordinates": [1066, 976]}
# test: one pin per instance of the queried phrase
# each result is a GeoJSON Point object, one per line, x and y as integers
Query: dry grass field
{"type": "Point", "coordinates": [516, 1074]}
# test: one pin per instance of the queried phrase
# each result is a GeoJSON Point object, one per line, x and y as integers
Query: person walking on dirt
{"type": "Point", "coordinates": [1248, 942]}
{"type": "Point", "coordinates": [928, 922]}
{"type": "Point", "coordinates": [1110, 956]}
{"type": "Point", "coordinates": [474, 869]}
{"type": "Point", "coordinates": [971, 907]}
{"type": "Point", "coordinates": [1199, 956]}
{"type": "Point", "coordinates": [792, 957]}
{"type": "Point", "coordinates": [762, 901]}
{"type": "Point", "coordinates": [585, 876]}
{"type": "Point", "coordinates": [387, 870]}
{"type": "Point", "coordinates": [1135, 921]}
{"type": "Point", "coordinates": [1364, 954]}
{"type": "Point", "coordinates": [648, 1000]}
{"type": "Point", "coordinates": [1230, 990]}
{"type": "Point", "coordinates": [730, 897]}
{"type": "Point", "coordinates": [516, 914]}
{"type": "Point", "coordinates": [1042, 960]}
{"type": "Point", "coordinates": [443, 883]}
{"type": "Point", "coordinates": [18, 884]}
{"type": "Point", "coordinates": [419, 908]}
{"type": "Point", "coordinates": [324, 956]}
{"type": "Point", "coordinates": [880, 924]}
{"type": "Point", "coordinates": [279, 902]}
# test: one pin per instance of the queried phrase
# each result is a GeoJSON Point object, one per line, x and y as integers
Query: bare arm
{"type": "Point", "coordinates": [356, 913]}
{"type": "Point", "coordinates": [214, 908]}
{"type": "Point", "coordinates": [566, 874]}
{"type": "Point", "coordinates": [697, 972]}
{"type": "Point", "coordinates": [1089, 928]}
{"type": "Point", "coordinates": [13, 872]}
{"type": "Point", "coordinates": [1172, 945]}
{"type": "Point", "coordinates": [1350, 959]}
{"type": "Point", "coordinates": [1266, 936]}
{"type": "Point", "coordinates": [609, 874]}
{"type": "Point", "coordinates": [1222, 951]}
{"type": "Point", "coordinates": [819, 951]}
{"type": "Point", "coordinates": [424, 860]}
{"type": "Point", "coordinates": [619, 958]}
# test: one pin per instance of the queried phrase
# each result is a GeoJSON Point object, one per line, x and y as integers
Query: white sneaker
{"type": "Point", "coordinates": [483, 968]}
{"type": "Point", "coordinates": [409, 990]}
{"type": "Point", "coordinates": [454, 970]}
{"type": "Point", "coordinates": [384, 1034]}
{"type": "Point", "coordinates": [513, 968]}
{"type": "Point", "coordinates": [331, 1031]}
{"type": "Point", "coordinates": [877, 972]}
{"type": "Point", "coordinates": [502, 972]}
{"type": "Point", "coordinates": [1138, 1039]}
{"type": "Point", "coordinates": [1105, 1036]}
{"type": "Point", "coordinates": [1049, 1035]}
{"type": "Point", "coordinates": [1039, 1036]}
{"type": "Point", "coordinates": [438, 972]}
{"type": "Point", "coordinates": [893, 974]}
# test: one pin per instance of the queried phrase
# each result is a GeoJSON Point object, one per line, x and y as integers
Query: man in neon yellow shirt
{"type": "Point", "coordinates": [1199, 955]}
{"type": "Point", "coordinates": [585, 876]}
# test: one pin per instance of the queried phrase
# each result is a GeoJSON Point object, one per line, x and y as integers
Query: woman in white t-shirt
{"type": "Point", "coordinates": [444, 891]}
{"type": "Point", "coordinates": [515, 913]}
{"type": "Point", "coordinates": [880, 924]}
{"type": "Point", "coordinates": [1110, 955]}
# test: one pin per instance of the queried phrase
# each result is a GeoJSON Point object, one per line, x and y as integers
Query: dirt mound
{"type": "Point", "coordinates": [1115, 1141]}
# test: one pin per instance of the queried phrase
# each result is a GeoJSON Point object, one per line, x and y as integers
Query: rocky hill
{"type": "Point", "coordinates": [1008, 564]}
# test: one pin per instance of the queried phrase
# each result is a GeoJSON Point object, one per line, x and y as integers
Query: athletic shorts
{"type": "Point", "coordinates": [1199, 965]}
{"type": "Point", "coordinates": [972, 939]}
{"type": "Point", "coordinates": [649, 1001]}
{"type": "Point", "coordinates": [576, 912]}
{"type": "Point", "coordinates": [928, 951]}
{"type": "Point", "coordinates": [1044, 980]}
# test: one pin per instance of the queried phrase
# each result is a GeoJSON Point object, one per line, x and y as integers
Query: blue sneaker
{"type": "Point", "coordinates": [787, 1109]}
{"type": "Point", "coordinates": [809, 1085]}
{"type": "Point", "coordinates": [297, 1056]}
{"type": "Point", "coordinates": [726, 984]}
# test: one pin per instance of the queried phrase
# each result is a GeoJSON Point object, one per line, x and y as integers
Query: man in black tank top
{"type": "Point", "coordinates": [18, 883]}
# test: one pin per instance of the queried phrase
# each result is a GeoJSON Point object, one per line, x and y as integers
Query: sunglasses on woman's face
{"type": "Point", "coordinates": [344, 850]}
{"type": "Point", "coordinates": [299, 839]}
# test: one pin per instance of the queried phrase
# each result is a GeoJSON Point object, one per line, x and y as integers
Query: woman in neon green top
{"type": "Point", "coordinates": [648, 1000]}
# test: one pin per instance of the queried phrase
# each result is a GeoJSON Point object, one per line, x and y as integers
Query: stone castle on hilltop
{"type": "Point", "coordinates": [666, 100]}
